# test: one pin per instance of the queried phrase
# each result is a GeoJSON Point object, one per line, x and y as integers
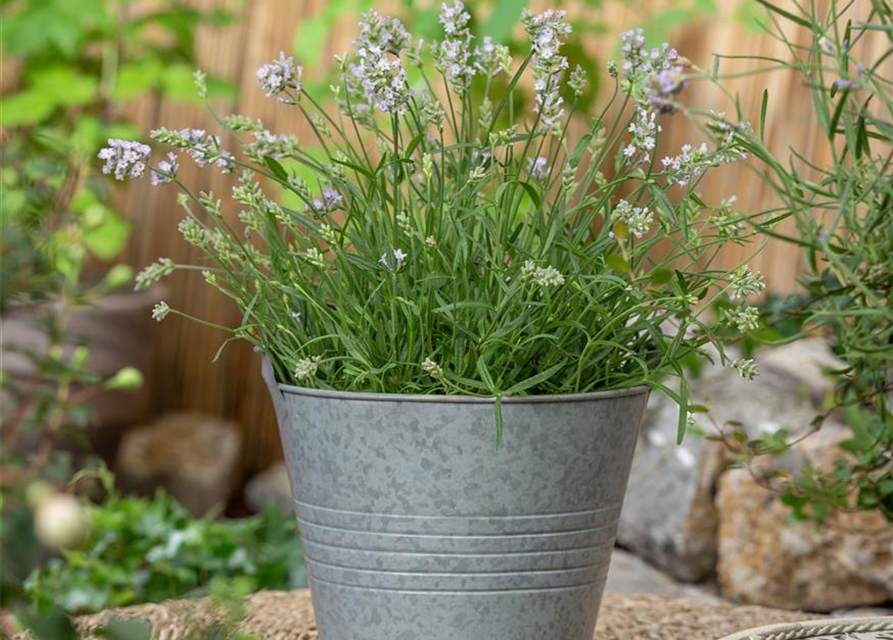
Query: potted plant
{"type": "Point", "coordinates": [462, 317]}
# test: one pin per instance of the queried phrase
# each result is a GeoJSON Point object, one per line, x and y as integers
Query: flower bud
{"type": "Point", "coordinates": [60, 522]}
{"type": "Point", "coordinates": [127, 379]}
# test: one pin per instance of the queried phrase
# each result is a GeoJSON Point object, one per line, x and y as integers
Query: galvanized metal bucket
{"type": "Point", "coordinates": [416, 526]}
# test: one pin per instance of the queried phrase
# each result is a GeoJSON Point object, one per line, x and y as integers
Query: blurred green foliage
{"type": "Point", "coordinates": [149, 550]}
{"type": "Point", "coordinates": [74, 65]}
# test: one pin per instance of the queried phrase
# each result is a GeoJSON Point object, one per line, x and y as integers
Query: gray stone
{"type": "Point", "coordinates": [669, 516]}
{"type": "Point", "coordinates": [631, 575]}
{"type": "Point", "coordinates": [271, 485]}
{"type": "Point", "coordinates": [193, 456]}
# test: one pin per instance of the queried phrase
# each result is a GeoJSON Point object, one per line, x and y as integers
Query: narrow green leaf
{"type": "Point", "coordinates": [618, 263]}
{"type": "Point", "coordinates": [786, 14]}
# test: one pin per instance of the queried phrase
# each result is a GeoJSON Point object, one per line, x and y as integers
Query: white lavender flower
{"type": "Point", "coordinates": [640, 64]}
{"type": "Point", "coordinates": [160, 311]}
{"type": "Point", "coordinates": [279, 75]}
{"type": "Point", "coordinates": [267, 143]}
{"type": "Point", "coordinates": [125, 158]}
{"type": "Point", "coordinates": [547, 32]}
{"type": "Point", "coordinates": [193, 232]}
{"type": "Point", "coordinates": [688, 165]}
{"type": "Point", "coordinates": [454, 19]}
{"type": "Point", "coordinates": [744, 283]}
{"type": "Point", "coordinates": [395, 261]}
{"type": "Point", "coordinates": [307, 367]}
{"type": "Point", "coordinates": [746, 368]}
{"type": "Point", "coordinates": [637, 219]}
{"type": "Point", "coordinates": [166, 170]}
{"type": "Point", "coordinates": [153, 273]}
{"type": "Point", "coordinates": [643, 136]}
{"type": "Point", "coordinates": [404, 223]}
{"type": "Point", "coordinates": [745, 318]}
{"type": "Point", "coordinates": [538, 168]}
{"type": "Point", "coordinates": [329, 201]}
{"type": "Point", "coordinates": [577, 81]}
{"type": "Point", "coordinates": [453, 55]}
{"type": "Point", "coordinates": [543, 277]}
{"type": "Point", "coordinates": [315, 257]}
{"type": "Point", "coordinates": [728, 223]}
{"type": "Point", "coordinates": [203, 148]}
{"type": "Point", "coordinates": [492, 59]}
{"type": "Point", "coordinates": [378, 68]}
{"type": "Point", "coordinates": [431, 242]}
{"type": "Point", "coordinates": [432, 369]}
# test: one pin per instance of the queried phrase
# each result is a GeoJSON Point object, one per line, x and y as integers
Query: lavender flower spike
{"type": "Point", "coordinates": [125, 158]}
{"type": "Point", "coordinates": [279, 75]}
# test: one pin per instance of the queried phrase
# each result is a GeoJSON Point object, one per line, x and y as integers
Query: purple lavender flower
{"type": "Point", "coordinates": [330, 200]}
{"type": "Point", "coordinates": [205, 149]}
{"type": "Point", "coordinates": [279, 75]}
{"type": "Point", "coordinates": [843, 84]}
{"type": "Point", "coordinates": [125, 158]}
{"type": "Point", "coordinates": [539, 168]}
{"type": "Point", "coordinates": [166, 170]}
{"type": "Point", "coordinates": [379, 70]}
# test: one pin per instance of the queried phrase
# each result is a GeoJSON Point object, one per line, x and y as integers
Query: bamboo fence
{"type": "Point", "coordinates": [183, 376]}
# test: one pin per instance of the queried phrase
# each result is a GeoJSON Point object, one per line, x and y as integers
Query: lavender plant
{"type": "Point", "coordinates": [460, 246]}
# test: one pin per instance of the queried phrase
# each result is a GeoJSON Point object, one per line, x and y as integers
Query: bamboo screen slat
{"type": "Point", "coordinates": [184, 376]}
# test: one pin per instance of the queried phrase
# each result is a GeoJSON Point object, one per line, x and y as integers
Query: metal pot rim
{"type": "Point", "coordinates": [367, 396]}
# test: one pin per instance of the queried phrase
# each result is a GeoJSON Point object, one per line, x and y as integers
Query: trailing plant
{"type": "Point", "coordinates": [435, 251]}
{"type": "Point", "coordinates": [842, 206]}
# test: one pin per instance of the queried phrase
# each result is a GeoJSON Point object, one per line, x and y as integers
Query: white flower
{"type": "Point", "coordinates": [431, 242]}
{"type": "Point", "coordinates": [307, 367]}
{"type": "Point", "coordinates": [379, 70]}
{"type": "Point", "coordinates": [125, 158]}
{"type": "Point", "coordinates": [453, 55]}
{"type": "Point", "coordinates": [153, 273]}
{"type": "Point", "coordinates": [744, 283]}
{"type": "Point", "coordinates": [547, 32]}
{"type": "Point", "coordinates": [637, 219]}
{"type": "Point", "coordinates": [538, 168]}
{"type": "Point", "coordinates": [432, 369]}
{"type": "Point", "coordinates": [160, 311]}
{"type": "Point", "coordinates": [746, 368]}
{"type": "Point", "coordinates": [643, 136]}
{"type": "Point", "coordinates": [543, 277]}
{"type": "Point", "coordinates": [399, 257]}
{"type": "Point", "coordinates": [279, 75]}
{"type": "Point", "coordinates": [746, 318]}
{"type": "Point", "coordinates": [166, 171]}
{"type": "Point", "coordinates": [330, 201]}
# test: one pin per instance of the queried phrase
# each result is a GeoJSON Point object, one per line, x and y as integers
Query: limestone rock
{"type": "Point", "coordinates": [669, 516]}
{"type": "Point", "coordinates": [273, 485]}
{"type": "Point", "coordinates": [764, 559]}
{"type": "Point", "coordinates": [193, 456]}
